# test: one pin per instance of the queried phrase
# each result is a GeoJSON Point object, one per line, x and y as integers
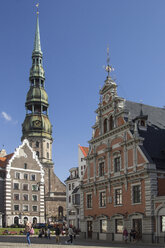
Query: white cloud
{"type": "Point", "coordinates": [6, 116]}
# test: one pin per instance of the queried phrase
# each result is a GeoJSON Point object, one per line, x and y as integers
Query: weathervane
{"type": "Point", "coordinates": [108, 68]}
{"type": "Point", "coordinates": [37, 5]}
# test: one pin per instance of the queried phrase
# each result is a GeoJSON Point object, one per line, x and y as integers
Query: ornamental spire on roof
{"type": "Point", "coordinates": [108, 68]}
{"type": "Point", "coordinates": [37, 43]}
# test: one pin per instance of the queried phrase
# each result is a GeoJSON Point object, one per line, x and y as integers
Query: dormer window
{"type": "Point", "coordinates": [142, 123]}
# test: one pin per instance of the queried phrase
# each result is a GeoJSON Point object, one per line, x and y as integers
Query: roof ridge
{"type": "Point", "coordinates": [145, 104]}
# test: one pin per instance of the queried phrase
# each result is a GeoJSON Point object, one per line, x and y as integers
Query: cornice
{"type": "Point", "coordinates": [110, 133]}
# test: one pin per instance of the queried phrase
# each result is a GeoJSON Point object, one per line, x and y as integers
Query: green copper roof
{"type": "Point", "coordinates": [37, 43]}
{"type": "Point", "coordinates": [37, 94]}
{"type": "Point", "coordinates": [37, 126]}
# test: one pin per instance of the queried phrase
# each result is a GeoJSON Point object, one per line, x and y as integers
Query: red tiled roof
{"type": "Point", "coordinates": [84, 150]}
{"type": "Point", "coordinates": [4, 160]}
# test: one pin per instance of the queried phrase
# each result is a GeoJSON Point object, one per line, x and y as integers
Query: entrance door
{"type": "Point", "coordinates": [89, 229]}
{"type": "Point", "coordinates": [137, 225]}
{"type": "Point", "coordinates": [16, 221]}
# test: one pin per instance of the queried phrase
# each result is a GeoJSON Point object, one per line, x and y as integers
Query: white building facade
{"type": "Point", "coordinates": [73, 189]}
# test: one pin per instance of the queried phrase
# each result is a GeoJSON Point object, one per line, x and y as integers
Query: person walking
{"type": "Point", "coordinates": [27, 230]}
{"type": "Point", "coordinates": [57, 232]}
{"type": "Point", "coordinates": [133, 235]}
{"type": "Point", "coordinates": [71, 233]}
{"type": "Point", "coordinates": [48, 233]}
{"type": "Point", "coordinates": [125, 235]}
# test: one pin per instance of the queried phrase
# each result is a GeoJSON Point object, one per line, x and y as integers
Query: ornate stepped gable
{"type": "Point", "coordinates": [125, 163]}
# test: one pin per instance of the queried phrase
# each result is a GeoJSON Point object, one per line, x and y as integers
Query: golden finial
{"type": "Point", "coordinates": [37, 5]}
{"type": "Point", "coordinates": [108, 68]}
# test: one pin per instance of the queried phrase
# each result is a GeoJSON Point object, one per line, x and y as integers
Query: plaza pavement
{"type": "Point", "coordinates": [20, 242]}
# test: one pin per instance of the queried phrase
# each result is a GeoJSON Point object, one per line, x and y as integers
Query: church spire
{"type": "Point", "coordinates": [37, 43]}
{"type": "Point", "coordinates": [36, 126]}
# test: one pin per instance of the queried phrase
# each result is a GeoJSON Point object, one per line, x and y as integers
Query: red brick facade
{"type": "Point", "coordinates": [120, 182]}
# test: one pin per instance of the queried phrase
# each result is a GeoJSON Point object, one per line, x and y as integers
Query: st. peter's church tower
{"type": "Point", "coordinates": [38, 130]}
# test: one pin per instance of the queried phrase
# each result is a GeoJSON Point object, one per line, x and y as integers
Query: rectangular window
{"type": "Point", "coordinates": [136, 194]}
{"type": "Point", "coordinates": [25, 207]}
{"type": "Point", "coordinates": [34, 187]}
{"type": "Point", "coordinates": [72, 185]}
{"type": "Point", "coordinates": [17, 175]}
{"type": "Point", "coordinates": [103, 226]}
{"type": "Point", "coordinates": [16, 207]}
{"type": "Point", "coordinates": [162, 223]}
{"type": "Point", "coordinates": [102, 199]}
{"type": "Point", "coordinates": [119, 226]}
{"type": "Point", "coordinates": [118, 196]}
{"type": "Point", "coordinates": [34, 197]}
{"type": "Point", "coordinates": [25, 166]}
{"type": "Point", "coordinates": [32, 177]}
{"type": "Point", "coordinates": [16, 197]}
{"type": "Point", "coordinates": [116, 164]}
{"type": "Point", "coordinates": [25, 197]}
{"type": "Point", "coordinates": [89, 200]}
{"type": "Point", "coordinates": [16, 186]}
{"type": "Point", "coordinates": [25, 187]}
{"type": "Point", "coordinates": [101, 169]}
{"type": "Point", "coordinates": [69, 199]}
{"type": "Point", "coordinates": [34, 208]}
{"type": "Point", "coordinates": [26, 176]}
{"type": "Point", "coordinates": [69, 186]}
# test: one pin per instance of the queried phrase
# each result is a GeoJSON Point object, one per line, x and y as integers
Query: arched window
{"type": "Point", "coordinates": [111, 123]}
{"type": "Point", "coordinates": [25, 220]}
{"type": "Point", "coordinates": [60, 211]}
{"type": "Point", "coordinates": [105, 125]}
{"type": "Point", "coordinates": [101, 169]}
{"type": "Point", "coordinates": [34, 221]}
{"type": "Point", "coordinates": [16, 220]}
{"type": "Point", "coordinates": [37, 153]}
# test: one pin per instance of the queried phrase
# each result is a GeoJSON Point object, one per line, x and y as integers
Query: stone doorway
{"type": "Point", "coordinates": [89, 229]}
{"type": "Point", "coordinates": [137, 225]}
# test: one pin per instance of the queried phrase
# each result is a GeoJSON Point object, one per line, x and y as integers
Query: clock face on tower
{"type": "Point", "coordinates": [37, 123]}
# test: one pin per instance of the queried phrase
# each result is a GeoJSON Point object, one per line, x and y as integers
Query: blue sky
{"type": "Point", "coordinates": [74, 38]}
